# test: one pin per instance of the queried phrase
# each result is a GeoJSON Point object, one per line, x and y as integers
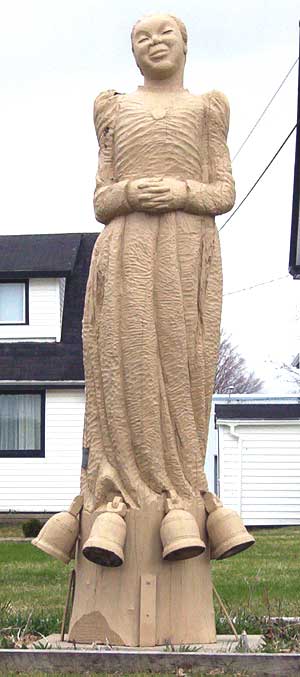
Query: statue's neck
{"type": "Point", "coordinates": [171, 84]}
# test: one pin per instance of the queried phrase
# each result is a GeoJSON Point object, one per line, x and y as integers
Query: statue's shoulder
{"type": "Point", "coordinates": [218, 110]}
{"type": "Point", "coordinates": [104, 99]}
{"type": "Point", "coordinates": [216, 100]}
{"type": "Point", "coordinates": [105, 110]}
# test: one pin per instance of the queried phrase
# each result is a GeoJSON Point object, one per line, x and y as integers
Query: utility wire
{"type": "Point", "coordinates": [259, 284]}
{"type": "Point", "coordinates": [265, 109]}
{"type": "Point", "coordinates": [259, 178]}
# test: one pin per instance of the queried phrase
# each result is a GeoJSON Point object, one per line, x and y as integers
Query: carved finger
{"type": "Point", "coordinates": [156, 205]}
{"type": "Point", "coordinates": [159, 200]}
{"type": "Point", "coordinates": [154, 190]}
{"type": "Point", "coordinates": [149, 182]}
{"type": "Point", "coordinates": [156, 196]}
{"type": "Point", "coordinates": [159, 209]}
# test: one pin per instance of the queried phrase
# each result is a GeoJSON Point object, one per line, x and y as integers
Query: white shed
{"type": "Point", "coordinates": [259, 458]}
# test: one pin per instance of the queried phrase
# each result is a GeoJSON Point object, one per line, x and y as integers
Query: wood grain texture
{"type": "Point", "coordinates": [153, 303]}
{"type": "Point", "coordinates": [107, 601]}
{"type": "Point", "coordinates": [148, 610]}
{"type": "Point", "coordinates": [151, 336]}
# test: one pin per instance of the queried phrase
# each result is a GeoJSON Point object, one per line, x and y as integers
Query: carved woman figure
{"type": "Point", "coordinates": [151, 338]}
{"type": "Point", "coordinates": [153, 303]}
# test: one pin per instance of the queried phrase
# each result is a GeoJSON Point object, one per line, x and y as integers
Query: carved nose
{"type": "Point", "coordinates": [155, 39]}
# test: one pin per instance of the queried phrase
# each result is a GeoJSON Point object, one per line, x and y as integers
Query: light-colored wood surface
{"type": "Point", "coordinates": [153, 302]}
{"type": "Point", "coordinates": [107, 600]}
{"type": "Point", "coordinates": [148, 610]}
{"type": "Point", "coordinates": [151, 337]}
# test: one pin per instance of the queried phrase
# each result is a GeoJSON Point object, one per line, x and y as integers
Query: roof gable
{"type": "Point", "coordinates": [38, 255]}
{"type": "Point", "coordinates": [25, 361]}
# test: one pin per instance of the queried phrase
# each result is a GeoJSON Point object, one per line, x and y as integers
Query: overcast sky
{"type": "Point", "coordinates": [56, 55]}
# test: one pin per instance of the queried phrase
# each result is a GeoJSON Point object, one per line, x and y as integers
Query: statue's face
{"type": "Point", "coordinates": [158, 46]}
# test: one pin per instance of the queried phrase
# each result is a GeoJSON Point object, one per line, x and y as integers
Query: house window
{"type": "Point", "coordinates": [14, 302]}
{"type": "Point", "coordinates": [22, 424]}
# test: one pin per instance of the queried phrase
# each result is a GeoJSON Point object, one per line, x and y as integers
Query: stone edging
{"type": "Point", "coordinates": [131, 661]}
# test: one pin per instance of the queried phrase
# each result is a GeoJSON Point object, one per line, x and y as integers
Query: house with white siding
{"type": "Point", "coordinates": [42, 288]}
{"type": "Point", "coordinates": [256, 450]}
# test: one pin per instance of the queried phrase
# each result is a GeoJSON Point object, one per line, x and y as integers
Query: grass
{"type": "Point", "coordinates": [264, 581]}
{"type": "Point", "coordinates": [33, 583]}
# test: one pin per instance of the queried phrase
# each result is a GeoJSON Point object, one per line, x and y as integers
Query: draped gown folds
{"type": "Point", "coordinates": [153, 301]}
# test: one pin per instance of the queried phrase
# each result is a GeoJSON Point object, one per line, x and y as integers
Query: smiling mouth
{"type": "Point", "coordinates": [158, 54]}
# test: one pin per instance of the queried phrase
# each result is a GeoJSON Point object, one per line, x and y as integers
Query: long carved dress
{"type": "Point", "coordinates": [153, 300]}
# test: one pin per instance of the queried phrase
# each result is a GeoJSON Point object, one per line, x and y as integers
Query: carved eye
{"type": "Point", "coordinates": [142, 40]}
{"type": "Point", "coordinates": [167, 31]}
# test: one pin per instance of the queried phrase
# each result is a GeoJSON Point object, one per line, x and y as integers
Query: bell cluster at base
{"type": "Point", "coordinates": [179, 532]}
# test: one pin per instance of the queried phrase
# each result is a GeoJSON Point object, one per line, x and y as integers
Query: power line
{"type": "Point", "coordinates": [259, 284]}
{"type": "Point", "coordinates": [265, 109]}
{"type": "Point", "coordinates": [259, 178]}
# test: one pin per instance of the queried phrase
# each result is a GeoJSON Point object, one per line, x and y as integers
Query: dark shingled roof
{"type": "Point", "coordinates": [38, 255]}
{"type": "Point", "coordinates": [53, 361]}
{"type": "Point", "coordinates": [267, 411]}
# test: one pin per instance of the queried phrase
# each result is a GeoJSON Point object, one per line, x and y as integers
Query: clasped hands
{"type": "Point", "coordinates": [156, 195]}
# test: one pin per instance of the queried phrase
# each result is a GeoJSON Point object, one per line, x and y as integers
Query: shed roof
{"type": "Point", "coordinates": [267, 411]}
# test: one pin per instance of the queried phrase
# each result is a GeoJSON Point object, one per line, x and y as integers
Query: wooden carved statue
{"type": "Point", "coordinates": [153, 302]}
{"type": "Point", "coordinates": [149, 524]}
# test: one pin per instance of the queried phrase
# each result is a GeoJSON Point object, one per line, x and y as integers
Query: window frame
{"type": "Point", "coordinates": [27, 453]}
{"type": "Point", "coordinates": [24, 281]}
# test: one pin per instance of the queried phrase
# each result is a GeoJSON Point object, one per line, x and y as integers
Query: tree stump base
{"type": "Point", "coordinates": [147, 601]}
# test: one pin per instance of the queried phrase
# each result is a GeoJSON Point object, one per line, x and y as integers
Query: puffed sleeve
{"type": "Point", "coordinates": [110, 198]}
{"type": "Point", "coordinates": [217, 196]}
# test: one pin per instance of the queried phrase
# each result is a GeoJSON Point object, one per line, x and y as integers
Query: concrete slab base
{"type": "Point", "coordinates": [224, 644]}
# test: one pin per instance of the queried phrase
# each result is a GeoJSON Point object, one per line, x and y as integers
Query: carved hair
{"type": "Point", "coordinates": [179, 23]}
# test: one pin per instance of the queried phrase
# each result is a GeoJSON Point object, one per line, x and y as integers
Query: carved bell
{"type": "Point", "coordinates": [58, 536]}
{"type": "Point", "coordinates": [180, 536]}
{"type": "Point", "coordinates": [107, 537]}
{"type": "Point", "coordinates": [227, 534]}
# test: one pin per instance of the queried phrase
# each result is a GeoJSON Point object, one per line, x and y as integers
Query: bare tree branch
{"type": "Point", "coordinates": [292, 374]}
{"type": "Point", "coordinates": [232, 374]}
